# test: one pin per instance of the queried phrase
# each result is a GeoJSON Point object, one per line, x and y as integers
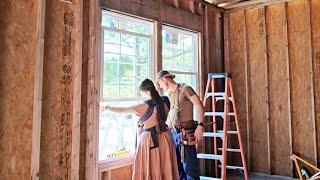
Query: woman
{"type": "Point", "coordinates": [155, 157]}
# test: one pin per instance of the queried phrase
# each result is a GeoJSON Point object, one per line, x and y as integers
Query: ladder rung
{"type": "Point", "coordinates": [222, 98]}
{"type": "Point", "coordinates": [216, 94]}
{"type": "Point", "coordinates": [229, 132]}
{"type": "Point", "coordinates": [209, 156]}
{"type": "Point", "coordinates": [218, 75]}
{"type": "Point", "coordinates": [218, 114]}
{"type": "Point", "coordinates": [231, 150]}
{"type": "Point", "coordinates": [212, 134]}
{"type": "Point", "coordinates": [233, 167]}
{"type": "Point", "coordinates": [208, 178]}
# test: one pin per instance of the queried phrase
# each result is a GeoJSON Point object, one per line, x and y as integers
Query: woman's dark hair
{"type": "Point", "coordinates": [147, 85]}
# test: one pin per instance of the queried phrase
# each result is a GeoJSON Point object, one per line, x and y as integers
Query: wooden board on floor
{"type": "Point", "coordinates": [301, 83]}
{"type": "Point", "coordinates": [315, 27]}
{"type": "Point", "coordinates": [237, 66]}
{"type": "Point", "coordinates": [123, 173]}
{"type": "Point", "coordinates": [258, 84]}
{"type": "Point", "coordinates": [279, 90]}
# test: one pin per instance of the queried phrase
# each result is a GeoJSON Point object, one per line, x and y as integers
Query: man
{"type": "Point", "coordinates": [185, 131]}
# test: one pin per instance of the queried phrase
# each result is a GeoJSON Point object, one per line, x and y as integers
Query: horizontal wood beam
{"type": "Point", "coordinates": [180, 18]}
{"type": "Point", "coordinates": [252, 4]}
{"type": "Point", "coordinates": [210, 5]}
{"type": "Point", "coordinates": [216, 2]}
{"type": "Point", "coordinates": [222, 4]}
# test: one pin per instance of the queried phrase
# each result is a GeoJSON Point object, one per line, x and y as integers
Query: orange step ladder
{"type": "Point", "coordinates": [220, 159]}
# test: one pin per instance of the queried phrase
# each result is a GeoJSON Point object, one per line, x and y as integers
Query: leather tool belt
{"type": "Point", "coordinates": [186, 130]}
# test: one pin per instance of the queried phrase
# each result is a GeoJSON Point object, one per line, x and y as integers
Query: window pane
{"type": "Point", "coordinates": [112, 48]}
{"type": "Point", "coordinates": [127, 80]}
{"type": "Point", "coordinates": [143, 60]}
{"type": "Point", "coordinates": [110, 91]}
{"type": "Point", "coordinates": [191, 81]}
{"type": "Point", "coordinates": [127, 44]}
{"type": "Point", "coordinates": [127, 59]}
{"type": "Point", "coordinates": [179, 50]}
{"type": "Point", "coordinates": [143, 46]}
{"type": "Point", "coordinates": [126, 70]}
{"type": "Point", "coordinates": [110, 75]}
{"type": "Point", "coordinates": [188, 79]}
{"type": "Point", "coordinates": [180, 78]}
{"type": "Point", "coordinates": [142, 70]}
{"type": "Point", "coordinates": [117, 132]}
{"type": "Point", "coordinates": [188, 61]}
{"type": "Point", "coordinates": [179, 43]}
{"type": "Point", "coordinates": [110, 57]}
{"type": "Point", "coordinates": [126, 62]}
{"type": "Point", "coordinates": [108, 21]}
{"type": "Point", "coordinates": [178, 60]}
{"type": "Point", "coordinates": [127, 91]}
{"type": "Point", "coordinates": [188, 42]}
{"type": "Point", "coordinates": [138, 28]}
{"type": "Point", "coordinates": [111, 37]}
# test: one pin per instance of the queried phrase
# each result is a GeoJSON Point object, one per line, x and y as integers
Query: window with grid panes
{"type": "Point", "coordinates": [180, 55]}
{"type": "Point", "coordinates": [127, 53]}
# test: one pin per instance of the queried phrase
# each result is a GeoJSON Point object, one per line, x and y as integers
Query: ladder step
{"type": "Point", "coordinates": [233, 167]}
{"type": "Point", "coordinates": [231, 150]}
{"type": "Point", "coordinates": [218, 75]}
{"type": "Point", "coordinates": [216, 94]}
{"type": "Point", "coordinates": [208, 178]}
{"type": "Point", "coordinates": [218, 114]}
{"type": "Point", "coordinates": [222, 98]}
{"type": "Point", "coordinates": [209, 156]}
{"type": "Point", "coordinates": [212, 134]}
{"type": "Point", "coordinates": [229, 132]}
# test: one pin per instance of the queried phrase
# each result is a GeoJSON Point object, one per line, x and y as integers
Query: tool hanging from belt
{"type": "Point", "coordinates": [186, 136]}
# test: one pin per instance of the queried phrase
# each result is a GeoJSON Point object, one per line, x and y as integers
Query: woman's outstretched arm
{"type": "Point", "coordinates": [117, 109]}
{"type": "Point", "coordinates": [138, 109]}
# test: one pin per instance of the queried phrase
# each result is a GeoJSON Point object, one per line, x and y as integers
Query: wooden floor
{"type": "Point", "coordinates": [258, 176]}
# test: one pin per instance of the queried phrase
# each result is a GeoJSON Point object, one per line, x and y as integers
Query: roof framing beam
{"type": "Point", "coordinates": [251, 4]}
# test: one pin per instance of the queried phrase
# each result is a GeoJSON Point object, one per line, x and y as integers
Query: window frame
{"type": "Point", "coordinates": [154, 65]}
{"type": "Point", "coordinates": [120, 161]}
{"type": "Point", "coordinates": [196, 38]}
{"type": "Point", "coordinates": [126, 18]}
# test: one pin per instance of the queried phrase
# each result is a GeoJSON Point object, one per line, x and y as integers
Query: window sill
{"type": "Point", "coordinates": [115, 163]}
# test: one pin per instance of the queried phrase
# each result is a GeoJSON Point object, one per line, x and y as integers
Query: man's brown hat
{"type": "Point", "coordinates": [163, 74]}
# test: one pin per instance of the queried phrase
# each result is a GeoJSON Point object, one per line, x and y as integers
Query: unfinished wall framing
{"type": "Point", "coordinates": [17, 66]}
{"type": "Point", "coordinates": [272, 52]}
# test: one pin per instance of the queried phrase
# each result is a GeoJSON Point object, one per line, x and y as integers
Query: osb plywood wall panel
{"type": "Point", "coordinates": [123, 173]}
{"type": "Point", "coordinates": [258, 82]}
{"type": "Point", "coordinates": [279, 90]}
{"type": "Point", "coordinates": [237, 66]}
{"type": "Point", "coordinates": [300, 60]}
{"type": "Point", "coordinates": [56, 130]}
{"type": "Point", "coordinates": [283, 86]}
{"type": "Point", "coordinates": [315, 28]}
{"type": "Point", "coordinates": [17, 54]}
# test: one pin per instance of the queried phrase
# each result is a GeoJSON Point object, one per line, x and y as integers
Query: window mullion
{"type": "Point", "coordinates": [119, 77]}
{"type": "Point", "coordinates": [134, 67]}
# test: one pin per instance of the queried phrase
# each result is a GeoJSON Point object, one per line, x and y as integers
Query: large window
{"type": "Point", "coordinates": [126, 59]}
{"type": "Point", "coordinates": [180, 54]}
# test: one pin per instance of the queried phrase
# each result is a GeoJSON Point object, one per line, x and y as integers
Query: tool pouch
{"type": "Point", "coordinates": [187, 130]}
